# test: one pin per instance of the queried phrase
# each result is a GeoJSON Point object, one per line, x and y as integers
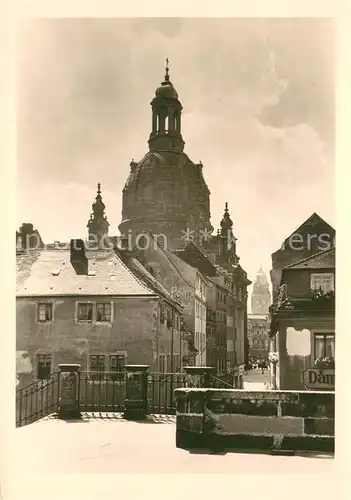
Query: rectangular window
{"type": "Point", "coordinates": [104, 312]}
{"type": "Point", "coordinates": [117, 362]}
{"type": "Point", "coordinates": [97, 366]}
{"type": "Point", "coordinates": [44, 312]}
{"type": "Point", "coordinates": [116, 365]}
{"type": "Point", "coordinates": [43, 366]}
{"type": "Point", "coordinates": [322, 281]}
{"type": "Point", "coordinates": [324, 345]}
{"type": "Point", "coordinates": [85, 312]}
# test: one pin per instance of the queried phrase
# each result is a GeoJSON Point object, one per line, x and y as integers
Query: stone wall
{"type": "Point", "coordinates": [238, 419]}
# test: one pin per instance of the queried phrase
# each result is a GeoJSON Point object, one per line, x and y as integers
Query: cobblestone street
{"type": "Point", "coordinates": [255, 380]}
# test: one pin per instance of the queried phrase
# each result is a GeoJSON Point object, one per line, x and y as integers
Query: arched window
{"type": "Point", "coordinates": [147, 193]}
{"type": "Point", "coordinates": [166, 124]}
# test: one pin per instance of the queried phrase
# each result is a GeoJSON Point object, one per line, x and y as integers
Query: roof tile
{"type": "Point", "coordinates": [321, 260]}
{"type": "Point", "coordinates": [35, 275]}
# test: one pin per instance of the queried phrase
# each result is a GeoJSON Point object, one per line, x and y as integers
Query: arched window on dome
{"type": "Point", "coordinates": [146, 192]}
{"type": "Point", "coordinates": [167, 124]}
{"type": "Point", "coordinates": [176, 121]}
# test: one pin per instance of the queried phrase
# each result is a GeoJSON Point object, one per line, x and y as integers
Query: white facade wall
{"type": "Point", "coordinates": [200, 319]}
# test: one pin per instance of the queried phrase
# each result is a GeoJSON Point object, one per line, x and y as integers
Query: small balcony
{"type": "Point", "coordinates": [313, 300]}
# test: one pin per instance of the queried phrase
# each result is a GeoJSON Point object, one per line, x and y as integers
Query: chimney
{"type": "Point", "coordinates": [79, 260]}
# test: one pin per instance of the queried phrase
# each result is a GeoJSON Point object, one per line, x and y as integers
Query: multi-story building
{"type": "Point", "coordinates": [85, 306]}
{"type": "Point", "coordinates": [304, 324]}
{"type": "Point", "coordinates": [313, 236]}
{"type": "Point", "coordinates": [302, 327]}
{"type": "Point", "coordinates": [186, 284]}
{"type": "Point", "coordinates": [258, 333]}
{"type": "Point", "coordinates": [221, 334]}
{"type": "Point", "coordinates": [226, 313]}
{"type": "Point", "coordinates": [81, 303]}
{"type": "Point", "coordinates": [194, 317]}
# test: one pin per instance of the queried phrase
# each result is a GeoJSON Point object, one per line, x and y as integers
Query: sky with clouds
{"type": "Point", "coordinates": [258, 99]}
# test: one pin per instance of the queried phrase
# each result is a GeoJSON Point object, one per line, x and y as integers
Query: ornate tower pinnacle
{"type": "Point", "coordinates": [166, 117]}
{"type": "Point", "coordinates": [227, 250]}
{"type": "Point", "coordinates": [98, 224]}
{"type": "Point", "coordinates": [226, 222]}
{"type": "Point", "coordinates": [167, 71]}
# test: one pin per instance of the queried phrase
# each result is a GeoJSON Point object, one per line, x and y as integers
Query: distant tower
{"type": "Point", "coordinates": [98, 224]}
{"type": "Point", "coordinates": [261, 296]}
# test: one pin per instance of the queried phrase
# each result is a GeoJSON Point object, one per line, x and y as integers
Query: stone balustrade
{"type": "Point", "coordinates": [280, 421]}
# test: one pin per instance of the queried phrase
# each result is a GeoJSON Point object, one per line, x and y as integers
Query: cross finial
{"type": "Point", "coordinates": [167, 70]}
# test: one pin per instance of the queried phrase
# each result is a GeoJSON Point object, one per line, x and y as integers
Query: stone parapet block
{"type": "Point", "coordinates": [275, 420]}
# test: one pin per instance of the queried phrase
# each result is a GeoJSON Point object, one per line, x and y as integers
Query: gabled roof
{"type": "Point", "coordinates": [321, 260]}
{"type": "Point", "coordinates": [313, 221]}
{"type": "Point", "coordinates": [313, 225]}
{"type": "Point", "coordinates": [194, 256]}
{"type": "Point", "coordinates": [51, 273]}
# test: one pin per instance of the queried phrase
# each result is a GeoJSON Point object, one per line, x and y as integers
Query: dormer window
{"type": "Point", "coordinates": [323, 282]}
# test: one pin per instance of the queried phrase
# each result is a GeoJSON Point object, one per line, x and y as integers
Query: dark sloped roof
{"type": "Point", "coordinates": [194, 256]}
{"type": "Point", "coordinates": [313, 225]}
{"type": "Point", "coordinates": [321, 260]}
{"type": "Point", "coordinates": [151, 281]}
{"type": "Point", "coordinates": [51, 273]}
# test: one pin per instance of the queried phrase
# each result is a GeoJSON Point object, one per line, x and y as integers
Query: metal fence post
{"type": "Point", "coordinates": [69, 391]}
{"type": "Point", "coordinates": [136, 392]}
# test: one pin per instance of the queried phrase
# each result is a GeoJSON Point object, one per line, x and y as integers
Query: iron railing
{"type": "Point", "coordinates": [102, 391]}
{"type": "Point", "coordinates": [107, 392]}
{"type": "Point", "coordinates": [37, 400]}
{"type": "Point", "coordinates": [160, 391]}
{"type": "Point", "coordinates": [222, 383]}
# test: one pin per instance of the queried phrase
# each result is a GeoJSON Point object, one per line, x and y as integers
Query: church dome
{"type": "Point", "coordinates": [166, 89]}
